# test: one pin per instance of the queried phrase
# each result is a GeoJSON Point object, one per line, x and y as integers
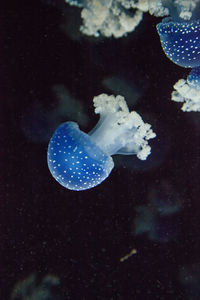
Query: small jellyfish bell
{"type": "Point", "coordinates": [80, 161]}
{"type": "Point", "coordinates": [180, 34]}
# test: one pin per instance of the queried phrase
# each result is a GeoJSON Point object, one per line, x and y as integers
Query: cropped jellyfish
{"type": "Point", "coordinates": [180, 40]}
{"type": "Point", "coordinates": [80, 161]}
{"type": "Point", "coordinates": [188, 91]}
{"type": "Point", "coordinates": [110, 18]}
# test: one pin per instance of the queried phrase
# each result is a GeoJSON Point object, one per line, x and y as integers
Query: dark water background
{"type": "Point", "coordinates": [81, 236]}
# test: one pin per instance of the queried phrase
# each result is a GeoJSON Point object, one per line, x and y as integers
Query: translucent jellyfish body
{"type": "Point", "coordinates": [158, 217]}
{"type": "Point", "coordinates": [80, 161]}
{"type": "Point", "coordinates": [178, 9]}
{"type": "Point", "coordinates": [34, 287]}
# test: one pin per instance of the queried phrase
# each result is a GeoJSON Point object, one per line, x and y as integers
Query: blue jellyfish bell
{"type": "Point", "coordinates": [74, 160]}
{"type": "Point", "coordinates": [180, 33]}
{"type": "Point", "coordinates": [80, 161]}
{"type": "Point", "coordinates": [181, 41]}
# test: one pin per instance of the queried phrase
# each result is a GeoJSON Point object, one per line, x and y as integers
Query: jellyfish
{"type": "Point", "coordinates": [179, 33]}
{"type": "Point", "coordinates": [110, 17]}
{"type": "Point", "coordinates": [180, 40]}
{"type": "Point", "coordinates": [188, 91]}
{"type": "Point", "coordinates": [80, 161]}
